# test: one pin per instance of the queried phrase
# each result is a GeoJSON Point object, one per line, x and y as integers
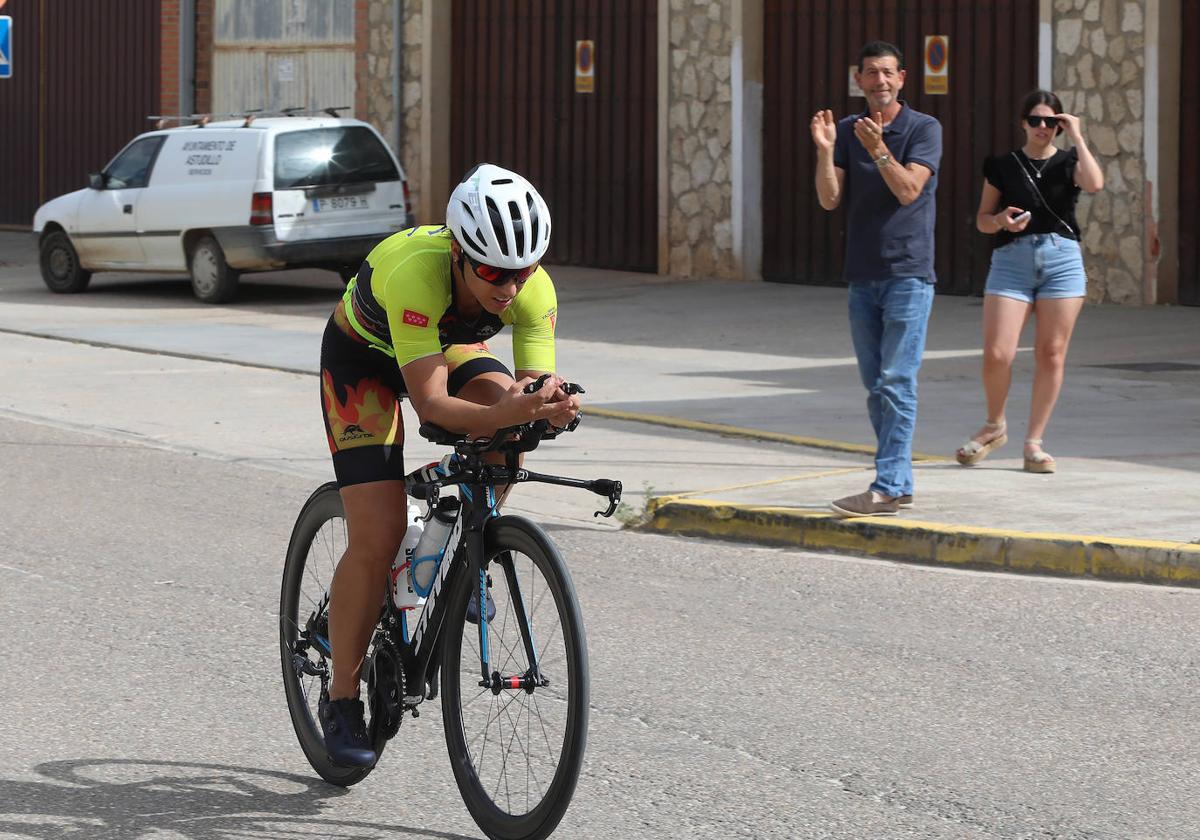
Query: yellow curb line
{"type": "Point", "coordinates": [1076, 555]}
{"type": "Point", "coordinates": [739, 431]}
{"type": "Point", "coordinates": [785, 480]}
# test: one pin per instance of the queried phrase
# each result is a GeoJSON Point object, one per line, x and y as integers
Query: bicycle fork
{"type": "Point", "coordinates": [490, 679]}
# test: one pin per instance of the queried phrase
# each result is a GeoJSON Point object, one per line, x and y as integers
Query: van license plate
{"type": "Point", "coordinates": [340, 202]}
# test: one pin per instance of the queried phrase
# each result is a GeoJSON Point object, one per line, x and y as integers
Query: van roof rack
{"type": "Point", "coordinates": [249, 115]}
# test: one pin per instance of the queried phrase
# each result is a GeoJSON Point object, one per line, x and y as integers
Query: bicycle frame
{"type": "Point", "coordinates": [466, 554]}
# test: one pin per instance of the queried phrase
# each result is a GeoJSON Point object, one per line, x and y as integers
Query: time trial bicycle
{"type": "Point", "coordinates": [514, 687]}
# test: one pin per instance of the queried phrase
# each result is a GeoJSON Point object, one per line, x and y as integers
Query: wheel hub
{"type": "Point", "coordinates": [60, 262]}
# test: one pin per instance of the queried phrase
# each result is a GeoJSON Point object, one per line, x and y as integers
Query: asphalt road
{"type": "Point", "coordinates": [737, 691]}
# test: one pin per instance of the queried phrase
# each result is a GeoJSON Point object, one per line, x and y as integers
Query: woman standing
{"type": "Point", "coordinates": [1028, 202]}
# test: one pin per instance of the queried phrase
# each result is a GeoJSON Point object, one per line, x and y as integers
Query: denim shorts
{"type": "Point", "coordinates": [1040, 265]}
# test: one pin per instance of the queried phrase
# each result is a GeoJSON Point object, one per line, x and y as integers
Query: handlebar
{"type": "Point", "coordinates": [511, 441]}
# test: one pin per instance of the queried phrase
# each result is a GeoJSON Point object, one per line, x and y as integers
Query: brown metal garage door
{"type": "Point", "coordinates": [85, 76]}
{"type": "Point", "coordinates": [593, 156]}
{"type": "Point", "coordinates": [809, 47]}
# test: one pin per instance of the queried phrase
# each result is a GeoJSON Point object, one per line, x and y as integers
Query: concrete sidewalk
{"type": "Point", "coordinates": [734, 410]}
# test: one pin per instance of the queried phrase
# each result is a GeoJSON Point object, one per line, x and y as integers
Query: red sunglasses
{"type": "Point", "coordinates": [501, 276]}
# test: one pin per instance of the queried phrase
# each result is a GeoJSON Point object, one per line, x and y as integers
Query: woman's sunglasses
{"type": "Point", "coordinates": [1038, 122]}
{"type": "Point", "coordinates": [501, 276]}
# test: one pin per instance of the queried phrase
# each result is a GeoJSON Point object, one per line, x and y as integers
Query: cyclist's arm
{"type": "Point", "coordinates": [426, 380]}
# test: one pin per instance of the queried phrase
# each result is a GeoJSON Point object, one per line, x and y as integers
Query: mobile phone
{"type": "Point", "coordinates": [1020, 217]}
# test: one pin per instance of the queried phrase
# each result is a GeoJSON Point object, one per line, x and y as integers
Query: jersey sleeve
{"type": "Point", "coordinates": [534, 320]}
{"type": "Point", "coordinates": [415, 301]}
{"type": "Point", "coordinates": [926, 146]}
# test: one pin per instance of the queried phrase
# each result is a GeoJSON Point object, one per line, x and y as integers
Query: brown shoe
{"type": "Point", "coordinates": [905, 502]}
{"type": "Point", "coordinates": [864, 505]}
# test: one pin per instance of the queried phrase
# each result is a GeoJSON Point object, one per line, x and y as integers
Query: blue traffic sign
{"type": "Point", "coordinates": [5, 47]}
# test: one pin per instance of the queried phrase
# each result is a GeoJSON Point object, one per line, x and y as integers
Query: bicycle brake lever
{"type": "Point", "coordinates": [610, 488]}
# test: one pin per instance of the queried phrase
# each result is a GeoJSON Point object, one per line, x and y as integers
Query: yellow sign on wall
{"type": "Point", "coordinates": [937, 64]}
{"type": "Point", "coordinates": [585, 66]}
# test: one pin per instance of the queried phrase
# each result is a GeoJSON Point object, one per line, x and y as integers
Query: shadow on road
{"type": "Point", "coordinates": [119, 799]}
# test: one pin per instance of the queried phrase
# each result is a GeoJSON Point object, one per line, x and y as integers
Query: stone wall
{"type": "Point", "coordinates": [411, 100]}
{"type": "Point", "coordinates": [375, 68]}
{"type": "Point", "coordinates": [699, 156]}
{"type": "Point", "coordinates": [376, 85]}
{"type": "Point", "coordinates": [1099, 69]}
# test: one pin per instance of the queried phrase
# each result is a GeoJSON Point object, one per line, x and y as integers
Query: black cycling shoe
{"type": "Point", "coordinates": [473, 608]}
{"type": "Point", "coordinates": [345, 732]}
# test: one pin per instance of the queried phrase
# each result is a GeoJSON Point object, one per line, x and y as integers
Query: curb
{"type": "Point", "coordinates": [742, 432]}
{"type": "Point", "coordinates": [1068, 555]}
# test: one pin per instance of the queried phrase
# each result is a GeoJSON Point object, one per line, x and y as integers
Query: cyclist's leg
{"type": "Point", "coordinates": [360, 391]}
{"type": "Point", "coordinates": [376, 518]}
{"type": "Point", "coordinates": [474, 374]}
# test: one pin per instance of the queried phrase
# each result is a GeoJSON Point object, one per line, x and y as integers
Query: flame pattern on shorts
{"type": "Point", "coordinates": [368, 416]}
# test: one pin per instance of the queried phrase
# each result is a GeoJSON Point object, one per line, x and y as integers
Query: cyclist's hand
{"type": "Point", "coordinates": [517, 407]}
{"type": "Point", "coordinates": [566, 405]}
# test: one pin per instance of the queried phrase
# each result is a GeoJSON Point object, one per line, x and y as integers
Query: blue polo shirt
{"type": "Point", "coordinates": [884, 239]}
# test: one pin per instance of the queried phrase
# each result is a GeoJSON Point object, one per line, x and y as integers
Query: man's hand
{"type": "Point", "coordinates": [824, 130]}
{"type": "Point", "coordinates": [870, 133]}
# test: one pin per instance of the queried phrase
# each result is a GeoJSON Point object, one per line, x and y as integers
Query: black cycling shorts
{"type": "Point", "coordinates": [361, 390]}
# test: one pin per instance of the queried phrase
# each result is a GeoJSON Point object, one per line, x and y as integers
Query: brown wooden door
{"type": "Point", "coordinates": [1189, 166]}
{"type": "Point", "coordinates": [593, 156]}
{"type": "Point", "coordinates": [85, 77]}
{"type": "Point", "coordinates": [809, 47]}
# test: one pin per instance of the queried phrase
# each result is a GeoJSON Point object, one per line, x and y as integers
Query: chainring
{"type": "Point", "coordinates": [385, 688]}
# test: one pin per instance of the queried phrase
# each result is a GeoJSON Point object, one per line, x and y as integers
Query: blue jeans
{"type": "Point", "coordinates": [887, 322]}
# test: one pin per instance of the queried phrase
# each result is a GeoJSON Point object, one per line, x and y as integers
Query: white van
{"type": "Point", "coordinates": [229, 197]}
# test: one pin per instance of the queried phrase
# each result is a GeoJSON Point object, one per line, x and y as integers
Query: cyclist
{"type": "Point", "coordinates": [413, 322]}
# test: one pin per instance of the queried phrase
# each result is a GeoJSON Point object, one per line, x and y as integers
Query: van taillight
{"type": "Point", "coordinates": [261, 209]}
{"type": "Point", "coordinates": [407, 199]}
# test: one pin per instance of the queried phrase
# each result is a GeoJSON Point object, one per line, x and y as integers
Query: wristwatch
{"type": "Point", "coordinates": [883, 160]}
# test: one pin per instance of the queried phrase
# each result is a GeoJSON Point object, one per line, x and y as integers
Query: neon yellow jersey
{"type": "Point", "coordinates": [402, 302]}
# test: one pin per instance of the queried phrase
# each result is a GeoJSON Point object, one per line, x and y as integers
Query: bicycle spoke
{"type": "Point", "coordinates": [525, 746]}
{"type": "Point", "coordinates": [545, 736]}
{"type": "Point", "coordinates": [507, 752]}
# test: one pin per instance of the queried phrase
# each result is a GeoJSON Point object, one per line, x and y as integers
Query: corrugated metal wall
{"type": "Point", "coordinates": [272, 55]}
{"type": "Point", "coordinates": [593, 156]}
{"type": "Point", "coordinates": [70, 117]}
{"type": "Point", "coordinates": [809, 47]}
{"type": "Point", "coordinates": [1189, 164]}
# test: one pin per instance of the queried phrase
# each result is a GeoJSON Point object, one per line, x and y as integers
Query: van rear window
{"type": "Point", "coordinates": [322, 157]}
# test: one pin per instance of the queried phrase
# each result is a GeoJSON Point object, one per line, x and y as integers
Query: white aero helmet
{"type": "Point", "coordinates": [498, 218]}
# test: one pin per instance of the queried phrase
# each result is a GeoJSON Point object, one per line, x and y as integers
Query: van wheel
{"type": "Point", "coordinates": [61, 270]}
{"type": "Point", "coordinates": [213, 281]}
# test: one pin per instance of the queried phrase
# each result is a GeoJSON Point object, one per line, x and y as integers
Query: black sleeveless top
{"type": "Point", "coordinates": [1015, 175]}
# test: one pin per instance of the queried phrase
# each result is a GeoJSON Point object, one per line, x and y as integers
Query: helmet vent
{"type": "Point", "coordinates": [518, 228]}
{"type": "Point", "coordinates": [533, 221]}
{"type": "Point", "coordinates": [471, 243]}
{"type": "Point", "coordinates": [497, 225]}
{"type": "Point", "coordinates": [499, 181]}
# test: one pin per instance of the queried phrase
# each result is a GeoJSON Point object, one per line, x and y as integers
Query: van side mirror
{"type": "Point", "coordinates": [96, 180]}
